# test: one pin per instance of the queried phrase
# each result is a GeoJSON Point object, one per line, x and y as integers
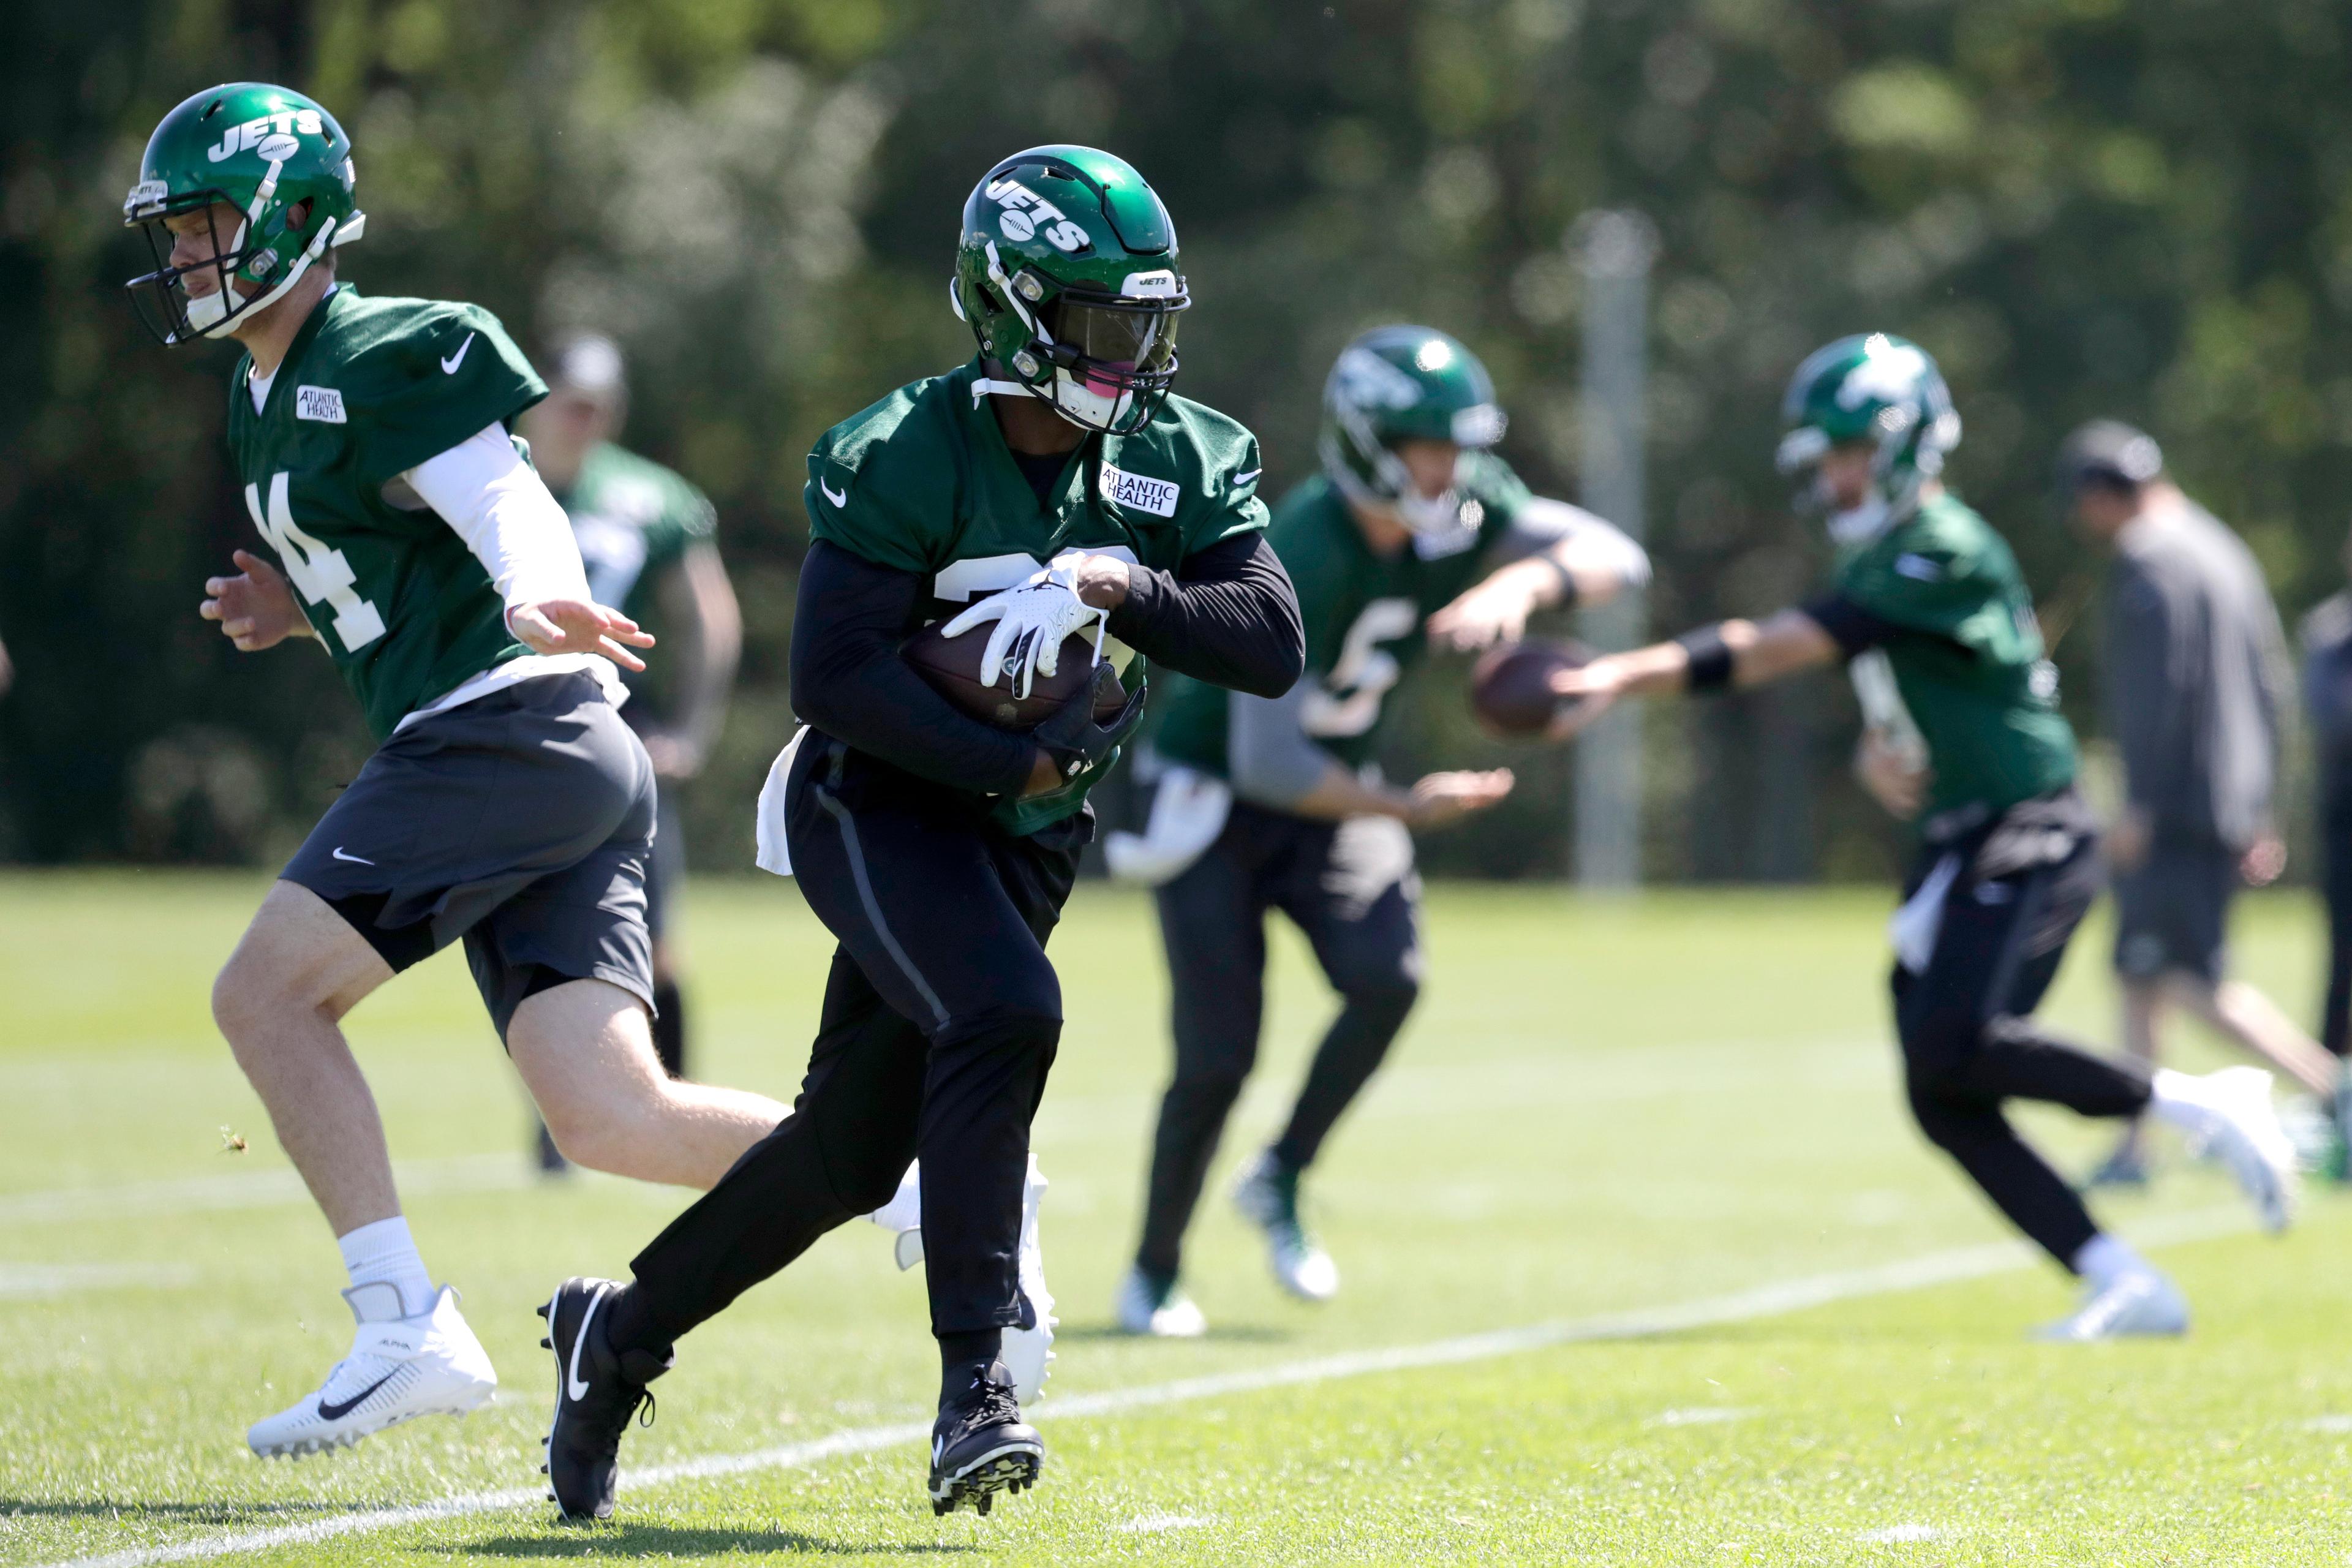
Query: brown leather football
{"type": "Point", "coordinates": [952, 665]}
{"type": "Point", "coordinates": [1510, 689]}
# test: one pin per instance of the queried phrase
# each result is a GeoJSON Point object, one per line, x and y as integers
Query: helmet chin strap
{"type": "Point", "coordinates": [261, 198]}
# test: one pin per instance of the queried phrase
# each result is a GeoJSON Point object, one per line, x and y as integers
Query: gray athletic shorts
{"type": "Point", "coordinates": [2172, 913]}
{"type": "Point", "coordinates": [666, 872]}
{"type": "Point", "coordinates": [521, 820]}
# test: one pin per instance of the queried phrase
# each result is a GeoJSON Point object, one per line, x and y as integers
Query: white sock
{"type": "Point", "coordinates": [2105, 1258]}
{"type": "Point", "coordinates": [385, 1253]}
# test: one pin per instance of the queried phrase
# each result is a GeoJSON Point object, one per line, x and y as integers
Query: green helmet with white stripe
{"type": "Point", "coordinates": [1870, 387]}
{"type": "Point", "coordinates": [274, 157]}
{"type": "Point", "coordinates": [1066, 273]}
{"type": "Point", "coordinates": [1404, 383]}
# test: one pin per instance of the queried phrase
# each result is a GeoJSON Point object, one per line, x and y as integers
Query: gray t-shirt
{"type": "Point", "coordinates": [2197, 678]}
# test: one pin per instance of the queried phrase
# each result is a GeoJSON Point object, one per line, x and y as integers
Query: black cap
{"type": "Point", "coordinates": [2109, 452]}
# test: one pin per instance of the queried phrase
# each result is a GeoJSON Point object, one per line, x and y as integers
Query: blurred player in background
{"type": "Point", "coordinates": [2008, 860]}
{"type": "Point", "coordinates": [650, 540]}
{"type": "Point", "coordinates": [2327, 701]}
{"type": "Point", "coordinates": [505, 805]}
{"type": "Point", "coordinates": [2195, 677]}
{"type": "Point", "coordinates": [1414, 530]}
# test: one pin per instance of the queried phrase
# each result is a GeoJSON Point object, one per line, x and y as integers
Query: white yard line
{"type": "Point", "coordinates": [1758, 1301]}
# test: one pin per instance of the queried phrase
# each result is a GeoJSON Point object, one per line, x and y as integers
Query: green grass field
{"type": "Point", "coordinates": [1777, 1330]}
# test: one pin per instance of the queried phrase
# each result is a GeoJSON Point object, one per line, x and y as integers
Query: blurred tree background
{"type": "Point", "coordinates": [2080, 207]}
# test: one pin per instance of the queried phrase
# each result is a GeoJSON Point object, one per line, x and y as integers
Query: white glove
{"type": "Point", "coordinates": [1031, 622]}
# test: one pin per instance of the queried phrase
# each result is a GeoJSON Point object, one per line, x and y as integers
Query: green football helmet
{"type": "Point", "coordinates": [1066, 273]}
{"type": "Point", "coordinates": [1867, 387]}
{"type": "Point", "coordinates": [275, 157]}
{"type": "Point", "coordinates": [1402, 384]}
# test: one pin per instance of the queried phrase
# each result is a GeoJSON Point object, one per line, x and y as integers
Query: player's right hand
{"type": "Point", "coordinates": [1585, 692]}
{"type": "Point", "coordinates": [1442, 798]}
{"type": "Point", "coordinates": [1894, 773]}
{"type": "Point", "coordinates": [255, 610]}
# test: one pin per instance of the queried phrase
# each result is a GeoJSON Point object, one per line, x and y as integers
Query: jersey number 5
{"type": "Point", "coordinates": [1349, 703]}
{"type": "Point", "coordinates": [319, 574]}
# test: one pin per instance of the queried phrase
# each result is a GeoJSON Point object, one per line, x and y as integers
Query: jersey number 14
{"type": "Point", "coordinates": [319, 574]}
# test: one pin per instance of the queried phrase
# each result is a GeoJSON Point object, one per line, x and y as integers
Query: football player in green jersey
{"type": "Point", "coordinates": [1051, 486]}
{"type": "Point", "coordinates": [507, 803]}
{"type": "Point", "coordinates": [649, 539]}
{"type": "Point", "coordinates": [2008, 863]}
{"type": "Point", "coordinates": [1414, 530]}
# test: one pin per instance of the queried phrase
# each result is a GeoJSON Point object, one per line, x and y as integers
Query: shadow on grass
{"type": "Point", "coordinates": [686, 1541]}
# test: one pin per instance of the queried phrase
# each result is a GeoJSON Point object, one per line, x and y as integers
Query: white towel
{"type": "Point", "coordinates": [1917, 925]}
{"type": "Point", "coordinates": [770, 852]}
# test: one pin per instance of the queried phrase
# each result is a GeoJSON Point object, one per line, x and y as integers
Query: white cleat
{"type": "Point", "coordinates": [2140, 1302]}
{"type": "Point", "coordinates": [2229, 1117]}
{"type": "Point", "coordinates": [1269, 1195]}
{"type": "Point", "coordinates": [430, 1364]}
{"type": "Point", "coordinates": [1028, 1351]}
{"type": "Point", "coordinates": [1145, 1308]}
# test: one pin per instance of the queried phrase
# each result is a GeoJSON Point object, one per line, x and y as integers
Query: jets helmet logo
{"type": "Point", "coordinates": [1368, 381]}
{"type": "Point", "coordinates": [1027, 214]}
{"type": "Point", "coordinates": [271, 135]}
{"type": "Point", "coordinates": [1888, 373]}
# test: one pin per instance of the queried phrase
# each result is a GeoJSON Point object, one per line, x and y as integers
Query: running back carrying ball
{"type": "Point", "coordinates": [1510, 689]}
{"type": "Point", "coordinates": [952, 666]}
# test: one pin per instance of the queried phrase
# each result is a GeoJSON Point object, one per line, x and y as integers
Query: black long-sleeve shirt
{"type": "Point", "coordinates": [1226, 615]}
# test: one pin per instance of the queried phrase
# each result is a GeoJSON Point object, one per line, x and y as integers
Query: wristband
{"type": "Point", "coordinates": [1568, 592]}
{"type": "Point", "coordinates": [1710, 659]}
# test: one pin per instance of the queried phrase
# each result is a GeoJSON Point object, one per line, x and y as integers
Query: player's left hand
{"type": "Point", "coordinates": [255, 610]}
{"type": "Point", "coordinates": [577, 626]}
{"type": "Point", "coordinates": [1032, 621]}
{"type": "Point", "coordinates": [2265, 861]}
{"type": "Point", "coordinates": [674, 755]}
{"type": "Point", "coordinates": [2127, 841]}
{"type": "Point", "coordinates": [1493, 611]}
{"type": "Point", "coordinates": [1586, 692]}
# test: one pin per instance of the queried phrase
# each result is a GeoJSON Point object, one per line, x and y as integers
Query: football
{"type": "Point", "coordinates": [952, 665]}
{"type": "Point", "coordinates": [1510, 689]}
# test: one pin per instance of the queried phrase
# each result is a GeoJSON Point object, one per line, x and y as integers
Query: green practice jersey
{"type": "Point", "coordinates": [922, 482]}
{"type": "Point", "coordinates": [1941, 594]}
{"type": "Point", "coordinates": [1363, 612]}
{"type": "Point", "coordinates": [635, 520]}
{"type": "Point", "coordinates": [370, 389]}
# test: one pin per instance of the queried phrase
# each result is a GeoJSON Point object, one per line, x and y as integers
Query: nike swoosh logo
{"type": "Point", "coordinates": [1246, 478]}
{"type": "Point", "coordinates": [572, 1386]}
{"type": "Point", "coordinates": [337, 1412]}
{"type": "Point", "coordinates": [449, 366]}
{"type": "Point", "coordinates": [352, 858]}
{"type": "Point", "coordinates": [840, 500]}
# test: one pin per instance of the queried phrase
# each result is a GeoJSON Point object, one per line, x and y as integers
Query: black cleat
{"type": "Point", "coordinates": [981, 1447]}
{"type": "Point", "coordinates": [597, 1390]}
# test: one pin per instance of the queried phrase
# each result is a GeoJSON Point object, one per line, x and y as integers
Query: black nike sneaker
{"type": "Point", "coordinates": [597, 1390]}
{"type": "Point", "coordinates": [981, 1447]}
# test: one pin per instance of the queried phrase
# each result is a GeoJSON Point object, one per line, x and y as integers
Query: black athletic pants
{"type": "Point", "coordinates": [2024, 881]}
{"type": "Point", "coordinates": [1351, 888]}
{"type": "Point", "coordinates": [2336, 832]}
{"type": "Point", "coordinates": [941, 1017]}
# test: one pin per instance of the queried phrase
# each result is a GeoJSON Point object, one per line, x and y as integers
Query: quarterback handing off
{"type": "Point", "coordinates": [1049, 489]}
{"type": "Point", "coordinates": [2008, 857]}
{"type": "Point", "coordinates": [507, 803]}
{"type": "Point", "coordinates": [1414, 532]}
